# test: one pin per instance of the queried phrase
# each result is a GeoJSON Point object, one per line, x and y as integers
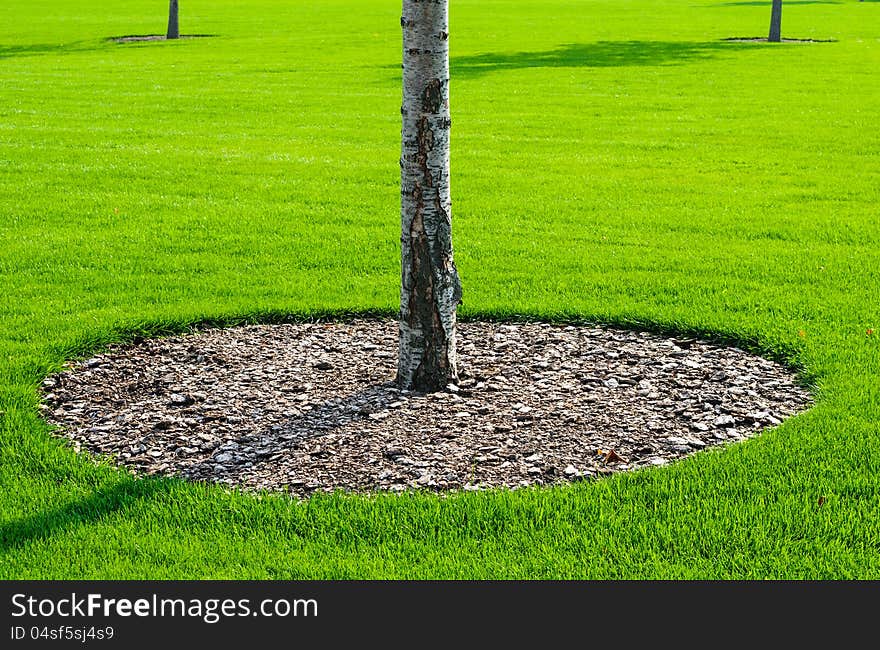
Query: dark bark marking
{"type": "Point", "coordinates": [424, 313]}
{"type": "Point", "coordinates": [426, 143]}
{"type": "Point", "coordinates": [432, 97]}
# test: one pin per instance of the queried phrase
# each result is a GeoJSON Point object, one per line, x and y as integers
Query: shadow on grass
{"type": "Point", "coordinates": [602, 54]}
{"type": "Point", "coordinates": [78, 47]}
{"type": "Point", "coordinates": [86, 510]}
{"type": "Point", "coordinates": [41, 49]}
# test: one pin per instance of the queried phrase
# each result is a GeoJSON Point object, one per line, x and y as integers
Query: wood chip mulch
{"type": "Point", "coordinates": [312, 407]}
{"type": "Point", "coordinates": [764, 39]}
{"type": "Point", "coordinates": [146, 38]}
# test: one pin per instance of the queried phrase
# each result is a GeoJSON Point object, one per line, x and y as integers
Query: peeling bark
{"type": "Point", "coordinates": [173, 30]}
{"type": "Point", "coordinates": [776, 22]}
{"type": "Point", "coordinates": [430, 287]}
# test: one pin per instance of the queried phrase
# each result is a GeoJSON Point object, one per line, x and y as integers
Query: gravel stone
{"type": "Point", "coordinates": [179, 399]}
{"type": "Point", "coordinates": [725, 420]}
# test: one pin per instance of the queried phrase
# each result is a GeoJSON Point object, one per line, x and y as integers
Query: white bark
{"type": "Point", "coordinates": [430, 288]}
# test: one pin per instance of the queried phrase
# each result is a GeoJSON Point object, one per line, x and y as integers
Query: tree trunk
{"type": "Point", "coordinates": [430, 289]}
{"type": "Point", "coordinates": [776, 22]}
{"type": "Point", "coordinates": [173, 30]}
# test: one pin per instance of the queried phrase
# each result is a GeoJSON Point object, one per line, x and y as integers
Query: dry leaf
{"type": "Point", "coordinates": [612, 457]}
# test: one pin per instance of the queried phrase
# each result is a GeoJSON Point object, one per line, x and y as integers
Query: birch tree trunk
{"type": "Point", "coordinates": [173, 30]}
{"type": "Point", "coordinates": [776, 22]}
{"type": "Point", "coordinates": [430, 289]}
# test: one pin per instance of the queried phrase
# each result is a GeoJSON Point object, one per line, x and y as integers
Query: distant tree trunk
{"type": "Point", "coordinates": [776, 22]}
{"type": "Point", "coordinates": [430, 288]}
{"type": "Point", "coordinates": [173, 30]}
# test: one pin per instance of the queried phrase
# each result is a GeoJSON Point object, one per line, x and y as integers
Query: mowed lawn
{"type": "Point", "coordinates": [613, 161]}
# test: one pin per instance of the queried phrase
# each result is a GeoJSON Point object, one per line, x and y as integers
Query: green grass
{"type": "Point", "coordinates": [613, 160]}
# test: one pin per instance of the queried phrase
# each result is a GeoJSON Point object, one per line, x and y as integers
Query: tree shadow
{"type": "Point", "coordinates": [42, 49]}
{"type": "Point", "coordinates": [86, 510]}
{"type": "Point", "coordinates": [77, 47]}
{"type": "Point", "coordinates": [318, 422]}
{"type": "Point", "coordinates": [602, 54]}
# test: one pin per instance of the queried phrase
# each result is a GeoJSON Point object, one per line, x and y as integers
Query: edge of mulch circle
{"type": "Point", "coordinates": [145, 38]}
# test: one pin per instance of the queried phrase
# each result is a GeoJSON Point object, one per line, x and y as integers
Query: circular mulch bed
{"type": "Point", "coordinates": [312, 406]}
{"type": "Point", "coordinates": [134, 38]}
{"type": "Point", "coordinates": [764, 39]}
